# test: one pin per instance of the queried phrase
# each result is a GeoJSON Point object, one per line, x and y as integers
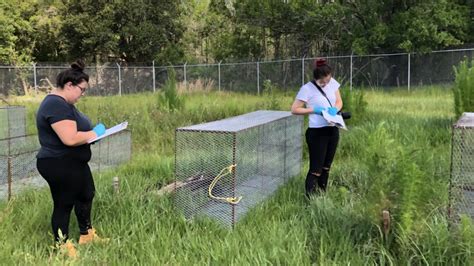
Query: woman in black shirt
{"type": "Point", "coordinates": [63, 158]}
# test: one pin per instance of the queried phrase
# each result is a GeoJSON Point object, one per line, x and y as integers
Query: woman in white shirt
{"type": "Point", "coordinates": [317, 96]}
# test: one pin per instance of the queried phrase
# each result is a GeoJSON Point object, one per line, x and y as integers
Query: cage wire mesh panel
{"type": "Point", "coordinates": [18, 165]}
{"type": "Point", "coordinates": [462, 172]}
{"type": "Point", "coordinates": [18, 160]}
{"type": "Point", "coordinates": [12, 121]}
{"type": "Point", "coordinates": [111, 151]}
{"type": "Point", "coordinates": [265, 146]}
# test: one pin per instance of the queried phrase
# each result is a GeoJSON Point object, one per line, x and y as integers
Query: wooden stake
{"type": "Point", "coordinates": [386, 222]}
{"type": "Point", "coordinates": [170, 188]}
{"type": "Point", "coordinates": [116, 184]}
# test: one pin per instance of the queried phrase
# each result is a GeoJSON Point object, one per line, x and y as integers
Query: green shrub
{"type": "Point", "coordinates": [271, 98]}
{"type": "Point", "coordinates": [169, 98]}
{"type": "Point", "coordinates": [464, 88]}
{"type": "Point", "coordinates": [354, 102]}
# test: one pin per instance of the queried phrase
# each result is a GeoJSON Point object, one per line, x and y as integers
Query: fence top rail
{"type": "Point", "coordinates": [452, 50]}
{"type": "Point", "coordinates": [11, 107]}
{"type": "Point", "coordinates": [328, 57]}
{"type": "Point", "coordinates": [29, 136]}
{"type": "Point", "coordinates": [112, 65]}
{"type": "Point", "coordinates": [202, 65]}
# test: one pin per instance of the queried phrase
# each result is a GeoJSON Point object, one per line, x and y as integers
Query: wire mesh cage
{"type": "Point", "coordinates": [12, 121]}
{"type": "Point", "coordinates": [18, 160]}
{"type": "Point", "coordinates": [461, 194]}
{"type": "Point", "coordinates": [224, 168]}
{"type": "Point", "coordinates": [111, 151]}
{"type": "Point", "coordinates": [18, 164]}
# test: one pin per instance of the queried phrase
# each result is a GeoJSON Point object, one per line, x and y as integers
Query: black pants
{"type": "Point", "coordinates": [322, 145]}
{"type": "Point", "coordinates": [71, 185]}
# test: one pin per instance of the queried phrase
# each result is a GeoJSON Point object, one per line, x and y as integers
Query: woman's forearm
{"type": "Point", "coordinates": [301, 111]}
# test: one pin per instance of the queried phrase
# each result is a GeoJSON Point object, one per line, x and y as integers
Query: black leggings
{"type": "Point", "coordinates": [322, 145]}
{"type": "Point", "coordinates": [71, 185]}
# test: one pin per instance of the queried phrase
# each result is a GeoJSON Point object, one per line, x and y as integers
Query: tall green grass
{"type": "Point", "coordinates": [464, 88]}
{"type": "Point", "coordinates": [396, 157]}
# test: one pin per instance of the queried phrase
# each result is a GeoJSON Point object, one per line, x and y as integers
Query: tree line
{"type": "Point", "coordinates": [170, 32]}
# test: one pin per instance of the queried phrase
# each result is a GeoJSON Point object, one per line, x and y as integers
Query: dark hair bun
{"type": "Point", "coordinates": [78, 65]}
{"type": "Point", "coordinates": [320, 62]}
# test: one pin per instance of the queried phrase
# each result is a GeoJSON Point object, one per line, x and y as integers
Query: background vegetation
{"type": "Point", "coordinates": [229, 30]}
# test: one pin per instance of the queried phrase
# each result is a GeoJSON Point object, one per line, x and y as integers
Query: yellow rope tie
{"type": "Point", "coordinates": [231, 200]}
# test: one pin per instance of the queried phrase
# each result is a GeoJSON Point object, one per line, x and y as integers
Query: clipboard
{"type": "Point", "coordinates": [336, 120]}
{"type": "Point", "coordinates": [113, 130]}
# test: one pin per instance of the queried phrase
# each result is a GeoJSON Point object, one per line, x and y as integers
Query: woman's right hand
{"type": "Point", "coordinates": [99, 129]}
{"type": "Point", "coordinates": [318, 109]}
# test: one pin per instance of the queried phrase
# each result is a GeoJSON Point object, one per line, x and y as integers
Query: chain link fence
{"type": "Point", "coordinates": [224, 168]}
{"type": "Point", "coordinates": [461, 193]}
{"type": "Point", "coordinates": [402, 70]}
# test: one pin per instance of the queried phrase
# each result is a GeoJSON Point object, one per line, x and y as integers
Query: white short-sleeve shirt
{"type": "Point", "coordinates": [312, 97]}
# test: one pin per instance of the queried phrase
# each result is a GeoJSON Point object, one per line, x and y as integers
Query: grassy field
{"type": "Point", "coordinates": [396, 157]}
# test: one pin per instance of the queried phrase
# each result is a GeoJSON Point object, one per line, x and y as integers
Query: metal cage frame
{"type": "Point", "coordinates": [260, 150]}
{"type": "Point", "coordinates": [461, 185]}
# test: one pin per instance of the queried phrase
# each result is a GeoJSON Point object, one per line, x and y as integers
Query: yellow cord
{"type": "Point", "coordinates": [231, 200]}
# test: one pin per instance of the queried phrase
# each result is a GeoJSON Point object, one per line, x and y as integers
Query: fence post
{"type": "Point", "coordinates": [350, 79]}
{"type": "Point", "coordinates": [302, 71]}
{"type": "Point", "coordinates": [154, 78]}
{"type": "Point", "coordinates": [258, 78]}
{"type": "Point", "coordinates": [34, 78]}
{"type": "Point", "coordinates": [219, 73]}
{"type": "Point", "coordinates": [120, 79]}
{"type": "Point", "coordinates": [185, 78]}
{"type": "Point", "coordinates": [409, 66]}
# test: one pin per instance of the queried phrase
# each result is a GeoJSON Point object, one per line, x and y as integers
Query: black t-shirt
{"type": "Point", "coordinates": [53, 109]}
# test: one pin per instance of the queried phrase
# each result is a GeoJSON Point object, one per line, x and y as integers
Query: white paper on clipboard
{"type": "Point", "coordinates": [110, 131]}
{"type": "Point", "coordinates": [336, 120]}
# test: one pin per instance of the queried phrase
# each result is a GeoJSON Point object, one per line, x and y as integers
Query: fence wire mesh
{"type": "Point", "coordinates": [240, 77]}
{"type": "Point", "coordinates": [404, 70]}
{"type": "Point", "coordinates": [264, 146]}
{"type": "Point", "coordinates": [285, 74]}
{"type": "Point", "coordinates": [462, 168]}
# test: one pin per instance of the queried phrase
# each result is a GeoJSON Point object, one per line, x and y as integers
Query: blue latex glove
{"type": "Point", "coordinates": [332, 111]}
{"type": "Point", "coordinates": [99, 129]}
{"type": "Point", "coordinates": [318, 109]}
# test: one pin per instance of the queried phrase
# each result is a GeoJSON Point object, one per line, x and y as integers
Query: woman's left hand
{"type": "Point", "coordinates": [332, 111]}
